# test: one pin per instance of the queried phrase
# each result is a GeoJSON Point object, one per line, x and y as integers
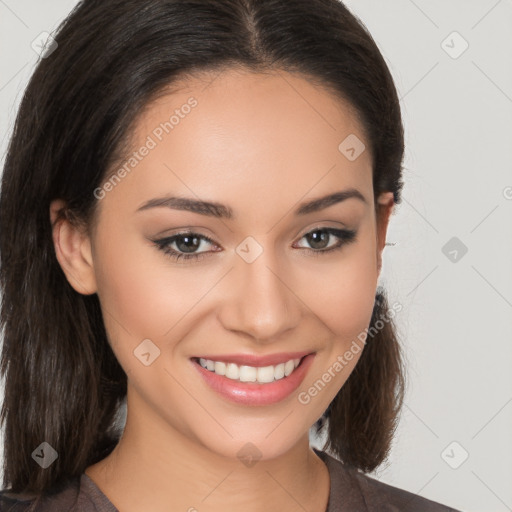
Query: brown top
{"type": "Point", "coordinates": [351, 491]}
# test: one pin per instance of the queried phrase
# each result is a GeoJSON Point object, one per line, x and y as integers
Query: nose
{"type": "Point", "coordinates": [259, 299]}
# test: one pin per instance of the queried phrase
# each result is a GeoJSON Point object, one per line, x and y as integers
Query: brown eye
{"type": "Point", "coordinates": [319, 239]}
{"type": "Point", "coordinates": [186, 245]}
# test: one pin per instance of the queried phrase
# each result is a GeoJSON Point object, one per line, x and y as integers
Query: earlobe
{"type": "Point", "coordinates": [385, 205]}
{"type": "Point", "coordinates": [73, 250]}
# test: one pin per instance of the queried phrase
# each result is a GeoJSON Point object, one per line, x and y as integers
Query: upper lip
{"type": "Point", "coordinates": [255, 360]}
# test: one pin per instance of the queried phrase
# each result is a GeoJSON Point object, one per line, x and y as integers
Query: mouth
{"type": "Point", "coordinates": [248, 373]}
{"type": "Point", "coordinates": [258, 383]}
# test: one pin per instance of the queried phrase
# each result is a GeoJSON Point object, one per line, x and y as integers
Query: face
{"type": "Point", "coordinates": [250, 286]}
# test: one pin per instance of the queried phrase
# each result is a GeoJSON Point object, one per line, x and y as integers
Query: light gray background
{"type": "Point", "coordinates": [456, 322]}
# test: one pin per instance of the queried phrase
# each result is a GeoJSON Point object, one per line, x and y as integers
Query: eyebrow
{"type": "Point", "coordinates": [220, 211]}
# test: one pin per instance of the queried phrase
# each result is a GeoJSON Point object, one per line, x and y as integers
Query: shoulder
{"type": "Point", "coordinates": [66, 497]}
{"type": "Point", "coordinates": [373, 494]}
{"type": "Point", "coordinates": [16, 502]}
{"type": "Point", "coordinates": [381, 495]}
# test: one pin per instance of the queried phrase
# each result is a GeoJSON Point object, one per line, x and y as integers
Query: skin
{"type": "Point", "coordinates": [260, 144]}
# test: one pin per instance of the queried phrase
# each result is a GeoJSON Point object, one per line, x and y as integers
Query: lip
{"type": "Point", "coordinates": [256, 361]}
{"type": "Point", "coordinates": [253, 393]}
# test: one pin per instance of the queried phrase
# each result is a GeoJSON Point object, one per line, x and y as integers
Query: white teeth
{"type": "Point", "coordinates": [243, 373]}
{"type": "Point", "coordinates": [220, 368]}
{"type": "Point", "coordinates": [279, 372]}
{"type": "Point", "coordinates": [289, 367]}
{"type": "Point", "coordinates": [248, 374]}
{"type": "Point", "coordinates": [265, 374]}
{"type": "Point", "coordinates": [232, 371]}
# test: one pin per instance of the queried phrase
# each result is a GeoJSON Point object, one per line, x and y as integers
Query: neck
{"type": "Point", "coordinates": [156, 467]}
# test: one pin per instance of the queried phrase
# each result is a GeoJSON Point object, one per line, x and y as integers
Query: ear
{"type": "Point", "coordinates": [73, 250]}
{"type": "Point", "coordinates": [384, 206]}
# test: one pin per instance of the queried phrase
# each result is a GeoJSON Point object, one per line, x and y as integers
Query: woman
{"type": "Point", "coordinates": [194, 207]}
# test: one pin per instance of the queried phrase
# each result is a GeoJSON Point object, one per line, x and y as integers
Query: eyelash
{"type": "Point", "coordinates": [345, 237]}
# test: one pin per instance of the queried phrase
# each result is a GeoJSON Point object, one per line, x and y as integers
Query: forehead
{"type": "Point", "coordinates": [242, 135]}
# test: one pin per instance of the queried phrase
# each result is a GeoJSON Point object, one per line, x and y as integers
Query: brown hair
{"type": "Point", "coordinates": [63, 384]}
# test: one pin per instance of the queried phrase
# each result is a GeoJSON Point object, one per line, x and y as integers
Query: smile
{"type": "Point", "coordinates": [258, 383]}
{"type": "Point", "coordinates": [244, 373]}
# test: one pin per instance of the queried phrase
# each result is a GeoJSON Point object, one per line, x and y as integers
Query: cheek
{"type": "Point", "coordinates": [344, 304]}
{"type": "Point", "coordinates": [138, 289]}
{"type": "Point", "coordinates": [342, 294]}
{"type": "Point", "coordinates": [135, 300]}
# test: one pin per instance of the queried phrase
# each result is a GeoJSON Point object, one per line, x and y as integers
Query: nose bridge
{"type": "Point", "coordinates": [262, 304]}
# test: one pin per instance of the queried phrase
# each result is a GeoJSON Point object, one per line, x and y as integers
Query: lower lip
{"type": "Point", "coordinates": [254, 393]}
